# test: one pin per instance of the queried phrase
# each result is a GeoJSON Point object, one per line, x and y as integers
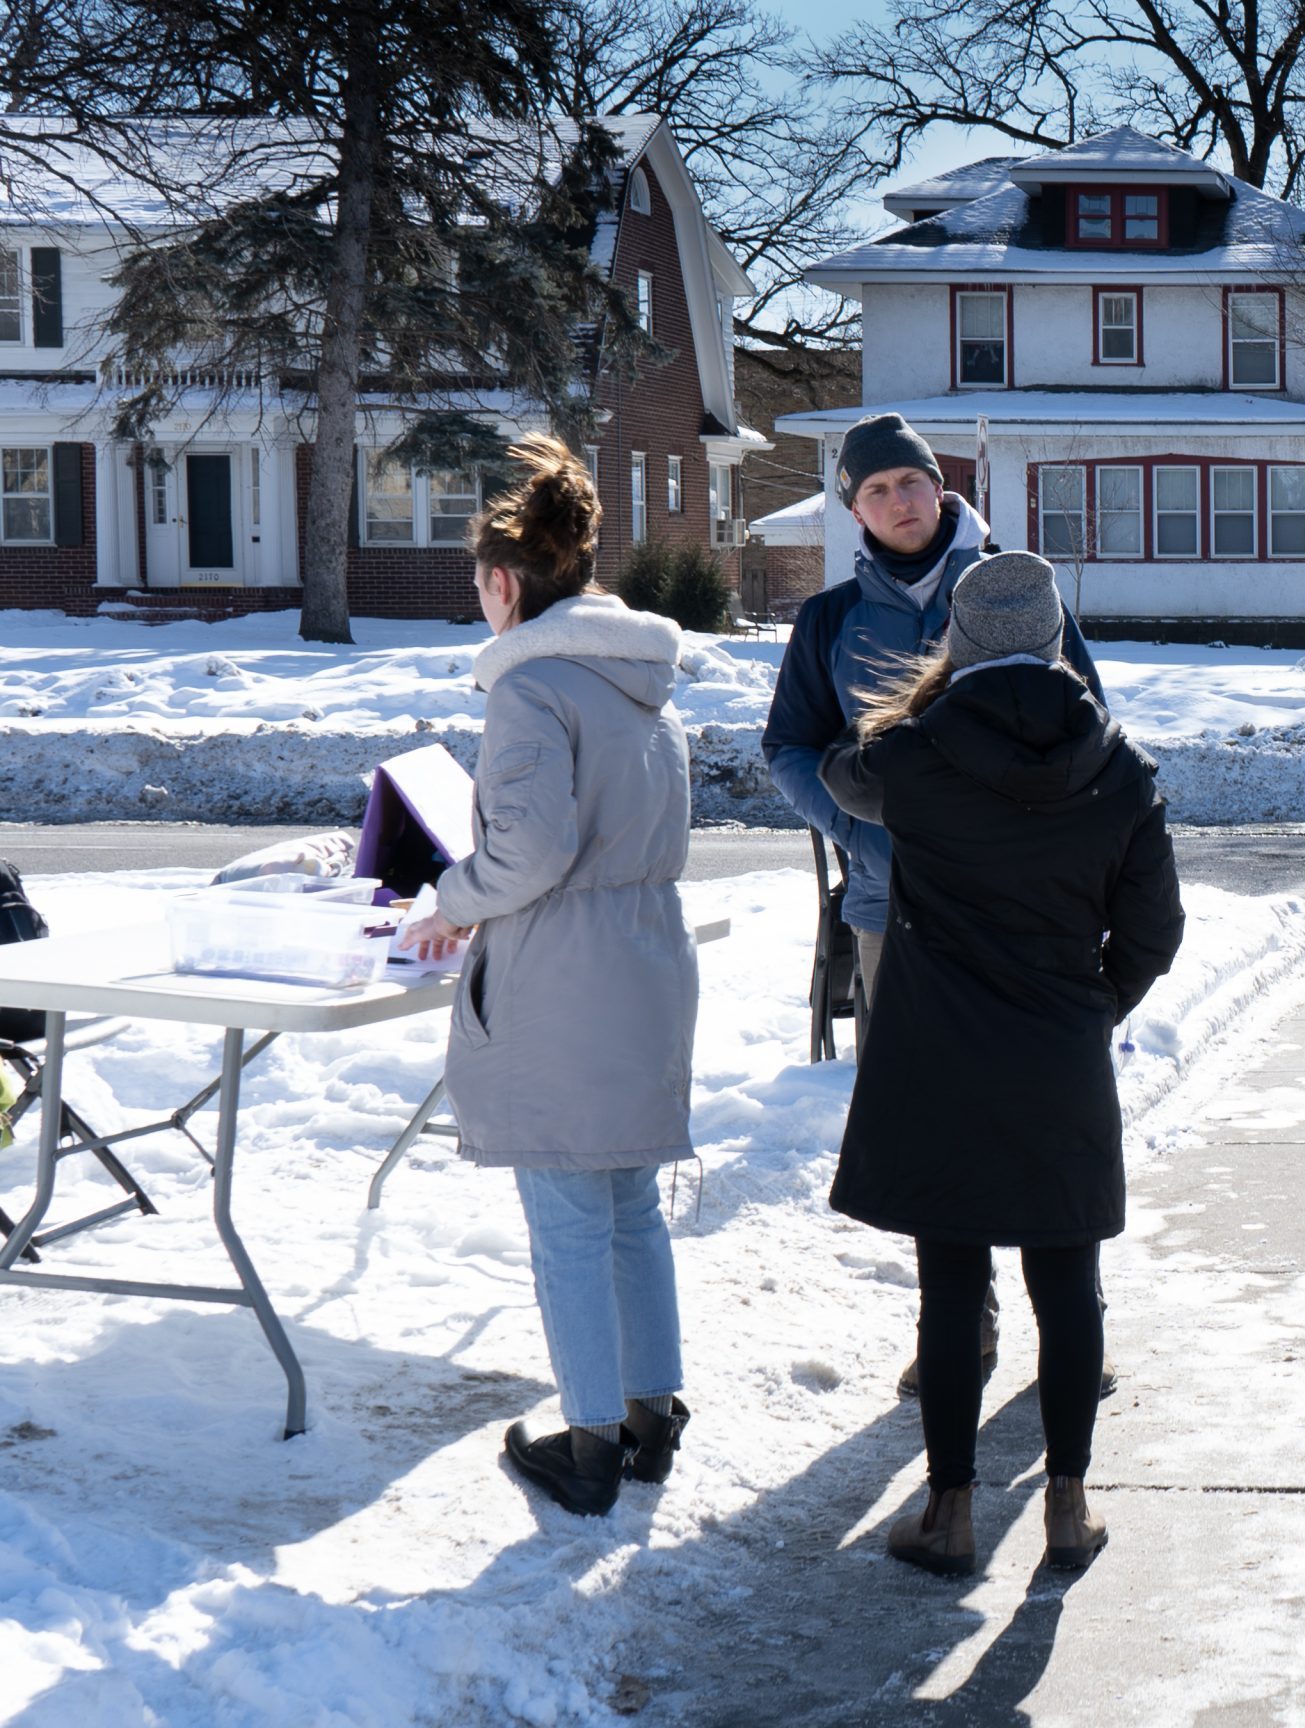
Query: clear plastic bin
{"type": "Point", "coordinates": [306, 938]}
{"type": "Point", "coordinates": [355, 889]}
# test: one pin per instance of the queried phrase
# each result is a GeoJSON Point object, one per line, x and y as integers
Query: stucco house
{"type": "Point", "coordinates": [210, 519]}
{"type": "Point", "coordinates": [1126, 321]}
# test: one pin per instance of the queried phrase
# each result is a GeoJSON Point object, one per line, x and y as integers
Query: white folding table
{"type": "Point", "coordinates": [128, 972]}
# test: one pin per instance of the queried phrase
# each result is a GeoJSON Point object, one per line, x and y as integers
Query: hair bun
{"type": "Point", "coordinates": [559, 511]}
{"type": "Point", "coordinates": [545, 528]}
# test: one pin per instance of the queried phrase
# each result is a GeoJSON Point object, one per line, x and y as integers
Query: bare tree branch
{"type": "Point", "coordinates": [1217, 77]}
{"type": "Point", "coordinates": [776, 175]}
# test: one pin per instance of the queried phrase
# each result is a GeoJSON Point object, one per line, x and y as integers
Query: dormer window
{"type": "Point", "coordinates": [1114, 217]}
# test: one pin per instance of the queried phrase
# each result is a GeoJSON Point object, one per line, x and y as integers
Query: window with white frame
{"type": "Point", "coordinates": [675, 484]}
{"type": "Point", "coordinates": [1117, 329]}
{"type": "Point", "coordinates": [158, 489]}
{"type": "Point", "coordinates": [1062, 510]}
{"type": "Point", "coordinates": [719, 499]}
{"type": "Point", "coordinates": [404, 508]}
{"type": "Point", "coordinates": [1232, 512]}
{"type": "Point", "coordinates": [591, 462]}
{"type": "Point", "coordinates": [389, 512]}
{"type": "Point", "coordinates": [1119, 512]}
{"type": "Point", "coordinates": [1253, 335]}
{"type": "Point", "coordinates": [644, 309]}
{"type": "Point", "coordinates": [1286, 512]}
{"type": "Point", "coordinates": [11, 297]}
{"type": "Point", "coordinates": [981, 338]}
{"type": "Point", "coordinates": [27, 514]}
{"type": "Point", "coordinates": [640, 196]}
{"type": "Point", "coordinates": [638, 496]}
{"type": "Point", "coordinates": [1177, 512]}
{"type": "Point", "coordinates": [454, 500]}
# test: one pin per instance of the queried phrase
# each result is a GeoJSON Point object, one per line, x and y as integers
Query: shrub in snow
{"type": "Point", "coordinates": [681, 582]}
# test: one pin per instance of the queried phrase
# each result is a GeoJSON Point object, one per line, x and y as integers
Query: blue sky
{"type": "Point", "coordinates": [944, 147]}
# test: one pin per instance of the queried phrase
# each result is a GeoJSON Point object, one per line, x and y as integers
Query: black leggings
{"type": "Point", "coordinates": [1062, 1285]}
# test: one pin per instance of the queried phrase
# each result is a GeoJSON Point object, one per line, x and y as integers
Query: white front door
{"type": "Point", "coordinates": [193, 515]}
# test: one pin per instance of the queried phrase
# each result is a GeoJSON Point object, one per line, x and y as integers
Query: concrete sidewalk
{"type": "Point", "coordinates": [1195, 1613]}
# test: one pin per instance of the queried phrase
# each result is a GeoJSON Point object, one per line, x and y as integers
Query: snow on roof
{"type": "Point", "coordinates": [797, 524]}
{"type": "Point", "coordinates": [995, 231]}
{"type": "Point", "coordinates": [956, 185]}
{"type": "Point", "coordinates": [113, 171]}
{"type": "Point", "coordinates": [1138, 412]}
{"type": "Point", "coordinates": [1259, 233]}
{"type": "Point", "coordinates": [632, 133]}
{"type": "Point", "coordinates": [1121, 150]}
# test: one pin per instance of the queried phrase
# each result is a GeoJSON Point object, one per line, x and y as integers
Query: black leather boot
{"type": "Point", "coordinates": [658, 1437]}
{"type": "Point", "coordinates": [581, 1470]}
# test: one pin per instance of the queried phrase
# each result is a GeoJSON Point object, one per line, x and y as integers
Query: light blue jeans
{"type": "Point", "coordinates": [605, 1281]}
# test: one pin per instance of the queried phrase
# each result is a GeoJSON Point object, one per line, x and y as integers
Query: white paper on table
{"type": "Point", "coordinates": [422, 907]}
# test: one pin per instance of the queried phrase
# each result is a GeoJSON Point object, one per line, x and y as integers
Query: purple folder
{"type": "Point", "coordinates": [418, 819]}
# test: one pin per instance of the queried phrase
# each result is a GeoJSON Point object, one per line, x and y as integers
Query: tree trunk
{"type": "Point", "coordinates": [325, 613]}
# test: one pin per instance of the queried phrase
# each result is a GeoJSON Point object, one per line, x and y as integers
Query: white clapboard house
{"type": "Point", "coordinates": [212, 514]}
{"type": "Point", "coordinates": [1126, 320]}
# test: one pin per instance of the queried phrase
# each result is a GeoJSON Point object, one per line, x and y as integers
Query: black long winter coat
{"type": "Point", "coordinates": [1033, 903]}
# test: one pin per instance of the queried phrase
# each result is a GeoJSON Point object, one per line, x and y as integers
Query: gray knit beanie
{"type": "Point", "coordinates": [880, 441]}
{"type": "Point", "coordinates": [1006, 604]}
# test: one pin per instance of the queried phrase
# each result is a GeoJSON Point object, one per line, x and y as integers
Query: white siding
{"type": "Point", "coordinates": [906, 337]}
{"type": "Point", "coordinates": [1174, 588]}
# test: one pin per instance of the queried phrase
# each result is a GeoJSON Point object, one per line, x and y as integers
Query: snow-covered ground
{"type": "Point", "coordinates": [167, 1562]}
{"type": "Point", "coordinates": [100, 718]}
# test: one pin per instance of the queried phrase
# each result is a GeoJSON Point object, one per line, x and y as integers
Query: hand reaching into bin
{"type": "Point", "coordinates": [426, 929]}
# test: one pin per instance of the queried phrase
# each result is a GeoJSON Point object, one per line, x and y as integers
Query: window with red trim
{"type": "Point", "coordinates": [1117, 217]}
{"type": "Point", "coordinates": [981, 332]}
{"type": "Point", "coordinates": [1254, 338]}
{"type": "Point", "coordinates": [1167, 507]}
{"type": "Point", "coordinates": [1118, 335]}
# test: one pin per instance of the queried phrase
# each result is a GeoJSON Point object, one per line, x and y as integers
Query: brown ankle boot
{"type": "Point", "coordinates": [940, 1538]}
{"type": "Point", "coordinates": [908, 1381]}
{"type": "Point", "coordinates": [1075, 1536]}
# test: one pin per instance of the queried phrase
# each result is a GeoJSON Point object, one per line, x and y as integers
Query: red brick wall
{"type": "Point", "coordinates": [793, 572]}
{"type": "Point", "coordinates": [661, 413]}
{"type": "Point", "coordinates": [58, 578]}
{"type": "Point", "coordinates": [396, 581]}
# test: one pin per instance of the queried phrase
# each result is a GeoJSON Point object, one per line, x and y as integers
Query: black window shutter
{"type": "Point", "coordinates": [355, 533]}
{"type": "Point", "coordinates": [47, 297]}
{"type": "Point", "coordinates": [68, 495]}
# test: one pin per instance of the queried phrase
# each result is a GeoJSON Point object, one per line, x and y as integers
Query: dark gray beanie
{"type": "Point", "coordinates": [880, 441]}
{"type": "Point", "coordinates": [1006, 604]}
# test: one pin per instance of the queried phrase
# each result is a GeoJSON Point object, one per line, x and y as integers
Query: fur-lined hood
{"type": "Point", "coordinates": [636, 651]}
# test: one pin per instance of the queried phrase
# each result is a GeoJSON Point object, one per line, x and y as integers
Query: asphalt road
{"type": "Point", "coordinates": [1257, 859]}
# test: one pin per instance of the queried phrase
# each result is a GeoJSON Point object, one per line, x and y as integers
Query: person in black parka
{"type": "Point", "coordinates": [1033, 902]}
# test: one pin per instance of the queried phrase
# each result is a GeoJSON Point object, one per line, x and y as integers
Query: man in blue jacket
{"type": "Point", "coordinates": [914, 542]}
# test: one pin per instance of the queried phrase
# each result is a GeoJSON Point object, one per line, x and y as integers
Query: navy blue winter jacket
{"type": "Point", "coordinates": [848, 637]}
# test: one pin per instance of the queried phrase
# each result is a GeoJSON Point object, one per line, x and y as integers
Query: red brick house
{"type": "Point", "coordinates": [210, 519]}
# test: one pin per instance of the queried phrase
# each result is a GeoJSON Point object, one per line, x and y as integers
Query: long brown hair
{"type": "Point", "coordinates": [914, 683]}
{"type": "Point", "coordinates": [544, 529]}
